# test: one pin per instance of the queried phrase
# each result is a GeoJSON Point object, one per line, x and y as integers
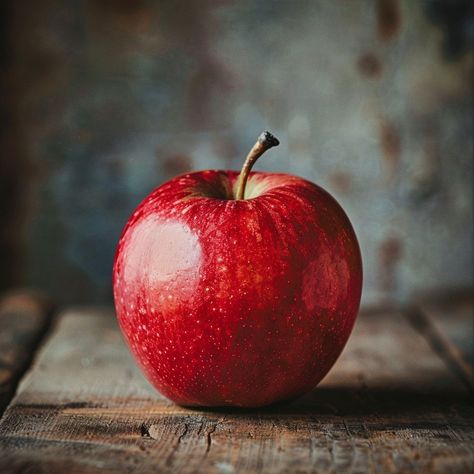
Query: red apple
{"type": "Point", "coordinates": [226, 300]}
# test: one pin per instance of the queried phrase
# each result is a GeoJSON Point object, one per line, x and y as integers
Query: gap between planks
{"type": "Point", "coordinates": [25, 319]}
{"type": "Point", "coordinates": [426, 325]}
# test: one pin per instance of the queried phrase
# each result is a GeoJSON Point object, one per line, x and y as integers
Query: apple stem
{"type": "Point", "coordinates": [264, 142]}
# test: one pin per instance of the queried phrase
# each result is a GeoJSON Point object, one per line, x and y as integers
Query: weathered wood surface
{"type": "Point", "coordinates": [24, 319]}
{"type": "Point", "coordinates": [391, 404]}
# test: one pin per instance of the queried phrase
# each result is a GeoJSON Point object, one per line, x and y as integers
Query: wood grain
{"type": "Point", "coordinates": [389, 405]}
{"type": "Point", "coordinates": [24, 318]}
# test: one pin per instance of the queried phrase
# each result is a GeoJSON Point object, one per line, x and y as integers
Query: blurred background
{"type": "Point", "coordinates": [101, 101]}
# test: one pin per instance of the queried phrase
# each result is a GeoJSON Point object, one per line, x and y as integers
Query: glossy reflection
{"type": "Point", "coordinates": [163, 257]}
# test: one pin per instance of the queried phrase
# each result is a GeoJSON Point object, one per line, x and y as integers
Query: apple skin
{"type": "Point", "coordinates": [228, 302]}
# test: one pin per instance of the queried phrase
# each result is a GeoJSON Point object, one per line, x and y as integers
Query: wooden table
{"type": "Point", "coordinates": [398, 400]}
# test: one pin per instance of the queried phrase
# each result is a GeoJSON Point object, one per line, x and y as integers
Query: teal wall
{"type": "Point", "coordinates": [370, 99]}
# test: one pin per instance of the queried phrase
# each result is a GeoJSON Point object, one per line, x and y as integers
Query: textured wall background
{"type": "Point", "coordinates": [104, 100]}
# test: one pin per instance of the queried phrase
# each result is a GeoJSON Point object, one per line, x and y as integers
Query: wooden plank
{"type": "Point", "coordinates": [24, 318]}
{"type": "Point", "coordinates": [448, 323]}
{"type": "Point", "coordinates": [389, 405]}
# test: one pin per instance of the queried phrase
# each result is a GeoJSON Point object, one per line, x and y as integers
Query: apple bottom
{"type": "Point", "coordinates": [251, 369]}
